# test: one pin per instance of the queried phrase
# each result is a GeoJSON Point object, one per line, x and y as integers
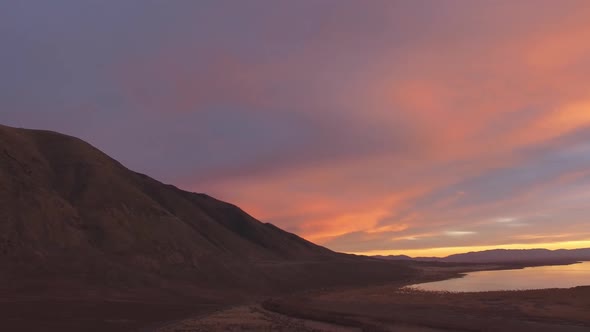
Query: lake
{"type": "Point", "coordinates": [562, 276]}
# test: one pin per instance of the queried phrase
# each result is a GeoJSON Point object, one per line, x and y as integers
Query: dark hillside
{"type": "Point", "coordinates": [77, 226]}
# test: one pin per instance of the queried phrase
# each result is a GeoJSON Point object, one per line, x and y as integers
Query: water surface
{"type": "Point", "coordinates": [562, 276]}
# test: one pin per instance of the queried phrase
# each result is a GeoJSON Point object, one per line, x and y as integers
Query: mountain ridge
{"type": "Point", "coordinates": [503, 256]}
{"type": "Point", "coordinates": [75, 184]}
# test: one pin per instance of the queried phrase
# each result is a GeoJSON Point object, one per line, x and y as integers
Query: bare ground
{"type": "Point", "coordinates": [256, 318]}
{"type": "Point", "coordinates": [389, 307]}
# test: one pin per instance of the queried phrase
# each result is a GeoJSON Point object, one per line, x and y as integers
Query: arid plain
{"type": "Point", "coordinates": [394, 307]}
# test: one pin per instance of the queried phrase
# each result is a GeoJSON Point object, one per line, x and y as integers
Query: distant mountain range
{"type": "Point", "coordinates": [504, 256]}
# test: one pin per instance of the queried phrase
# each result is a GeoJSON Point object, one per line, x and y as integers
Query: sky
{"type": "Point", "coordinates": [373, 127]}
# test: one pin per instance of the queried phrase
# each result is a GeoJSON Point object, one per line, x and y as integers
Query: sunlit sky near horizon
{"type": "Point", "coordinates": [381, 127]}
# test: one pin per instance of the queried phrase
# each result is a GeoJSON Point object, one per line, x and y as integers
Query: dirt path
{"type": "Point", "coordinates": [250, 318]}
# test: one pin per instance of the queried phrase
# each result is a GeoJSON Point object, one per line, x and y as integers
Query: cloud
{"type": "Point", "coordinates": [459, 233]}
{"type": "Point", "coordinates": [389, 126]}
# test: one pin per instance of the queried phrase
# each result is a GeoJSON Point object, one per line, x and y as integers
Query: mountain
{"type": "Point", "coordinates": [506, 256]}
{"type": "Point", "coordinates": [89, 245]}
{"type": "Point", "coordinates": [72, 219]}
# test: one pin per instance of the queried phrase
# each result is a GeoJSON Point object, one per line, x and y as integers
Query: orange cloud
{"type": "Point", "coordinates": [412, 122]}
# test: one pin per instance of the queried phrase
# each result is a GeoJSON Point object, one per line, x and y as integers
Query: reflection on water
{"type": "Point", "coordinates": [564, 276]}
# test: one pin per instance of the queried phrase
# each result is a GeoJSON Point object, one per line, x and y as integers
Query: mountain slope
{"type": "Point", "coordinates": [66, 206]}
{"type": "Point", "coordinates": [71, 217]}
{"type": "Point", "coordinates": [89, 200]}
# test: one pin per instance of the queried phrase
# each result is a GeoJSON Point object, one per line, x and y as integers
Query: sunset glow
{"type": "Point", "coordinates": [381, 127]}
{"type": "Point", "coordinates": [443, 252]}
